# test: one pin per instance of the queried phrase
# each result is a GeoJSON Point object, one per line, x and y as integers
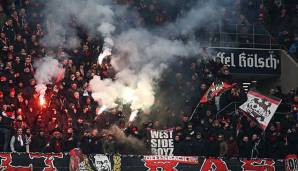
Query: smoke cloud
{"type": "Point", "coordinates": [47, 70]}
{"type": "Point", "coordinates": [128, 144]}
{"type": "Point", "coordinates": [139, 54]}
{"type": "Point", "coordinates": [63, 17]}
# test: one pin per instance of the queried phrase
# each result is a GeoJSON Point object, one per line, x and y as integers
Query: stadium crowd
{"type": "Point", "coordinates": [68, 118]}
{"type": "Point", "coordinates": [280, 17]}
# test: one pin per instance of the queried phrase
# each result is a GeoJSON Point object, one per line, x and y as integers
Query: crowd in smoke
{"type": "Point", "coordinates": [109, 74]}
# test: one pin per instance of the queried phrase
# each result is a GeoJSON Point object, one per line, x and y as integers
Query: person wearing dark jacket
{"type": "Point", "coordinates": [188, 146]}
{"type": "Point", "coordinates": [5, 129]}
{"type": "Point", "coordinates": [69, 141]}
{"type": "Point", "coordinates": [18, 142]}
{"type": "Point", "coordinates": [245, 147]}
{"type": "Point", "coordinates": [212, 147]}
{"type": "Point", "coordinates": [178, 146]}
{"type": "Point", "coordinates": [199, 145]}
{"type": "Point", "coordinates": [55, 144]}
{"type": "Point", "coordinates": [91, 143]}
{"type": "Point", "coordinates": [39, 142]}
{"type": "Point", "coordinates": [233, 150]}
{"type": "Point", "coordinates": [9, 30]}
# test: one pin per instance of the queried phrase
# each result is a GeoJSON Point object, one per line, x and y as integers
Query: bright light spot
{"type": "Point", "coordinates": [105, 53]}
{"type": "Point", "coordinates": [42, 100]}
{"type": "Point", "coordinates": [102, 109]}
{"type": "Point", "coordinates": [133, 115]}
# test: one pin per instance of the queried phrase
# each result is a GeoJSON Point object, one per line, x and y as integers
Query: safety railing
{"type": "Point", "coordinates": [238, 35]}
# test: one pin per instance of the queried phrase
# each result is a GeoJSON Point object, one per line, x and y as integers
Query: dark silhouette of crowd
{"type": "Point", "coordinates": [68, 118]}
{"type": "Point", "coordinates": [278, 16]}
{"type": "Point", "coordinates": [245, 23]}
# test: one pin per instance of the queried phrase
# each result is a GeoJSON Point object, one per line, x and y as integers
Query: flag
{"type": "Point", "coordinates": [260, 107]}
{"type": "Point", "coordinates": [8, 114]}
{"type": "Point", "coordinates": [214, 90]}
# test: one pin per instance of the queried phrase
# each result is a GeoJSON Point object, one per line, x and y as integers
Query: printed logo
{"type": "Point", "coordinates": [260, 165]}
{"type": "Point", "coordinates": [167, 163]}
{"type": "Point", "coordinates": [101, 162]}
{"type": "Point", "coordinates": [259, 108]}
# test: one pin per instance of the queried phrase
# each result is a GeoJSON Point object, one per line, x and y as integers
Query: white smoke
{"type": "Point", "coordinates": [139, 54]}
{"type": "Point", "coordinates": [47, 70]}
{"type": "Point", "coordinates": [203, 14]}
{"type": "Point", "coordinates": [145, 58]}
{"type": "Point", "coordinates": [106, 29]}
{"type": "Point", "coordinates": [139, 93]}
{"type": "Point", "coordinates": [63, 16]}
{"type": "Point", "coordinates": [145, 48]}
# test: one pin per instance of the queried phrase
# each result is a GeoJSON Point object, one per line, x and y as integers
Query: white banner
{"type": "Point", "coordinates": [260, 107]}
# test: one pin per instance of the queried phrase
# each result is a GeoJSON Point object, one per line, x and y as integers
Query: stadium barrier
{"type": "Point", "coordinates": [75, 161]}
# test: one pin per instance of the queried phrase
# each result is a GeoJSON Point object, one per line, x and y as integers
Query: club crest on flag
{"type": "Point", "coordinates": [260, 107]}
{"type": "Point", "coordinates": [215, 89]}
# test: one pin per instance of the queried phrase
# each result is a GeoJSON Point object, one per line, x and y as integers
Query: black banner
{"type": "Point", "coordinates": [162, 142]}
{"type": "Point", "coordinates": [249, 61]}
{"type": "Point", "coordinates": [76, 161]}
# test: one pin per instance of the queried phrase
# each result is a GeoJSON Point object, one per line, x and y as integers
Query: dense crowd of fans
{"type": "Point", "coordinates": [68, 118]}
{"type": "Point", "coordinates": [253, 18]}
{"type": "Point", "coordinates": [280, 17]}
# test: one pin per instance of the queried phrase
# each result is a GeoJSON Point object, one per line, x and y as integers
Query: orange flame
{"type": "Point", "coordinates": [42, 100]}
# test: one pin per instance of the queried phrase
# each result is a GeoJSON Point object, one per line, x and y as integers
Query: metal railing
{"type": "Point", "coordinates": [238, 35]}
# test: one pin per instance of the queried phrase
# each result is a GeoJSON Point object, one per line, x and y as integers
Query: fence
{"type": "Point", "coordinates": [238, 35]}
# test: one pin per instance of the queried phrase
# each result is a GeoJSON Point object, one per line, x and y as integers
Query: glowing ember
{"type": "Point", "coordinates": [102, 109]}
{"type": "Point", "coordinates": [105, 53]}
{"type": "Point", "coordinates": [42, 100]}
{"type": "Point", "coordinates": [133, 115]}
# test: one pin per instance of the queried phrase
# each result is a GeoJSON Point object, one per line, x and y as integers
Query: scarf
{"type": "Point", "coordinates": [20, 139]}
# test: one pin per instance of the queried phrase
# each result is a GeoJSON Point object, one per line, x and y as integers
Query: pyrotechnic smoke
{"type": "Point", "coordinates": [129, 144]}
{"type": "Point", "coordinates": [139, 94]}
{"type": "Point", "coordinates": [202, 14]}
{"type": "Point", "coordinates": [106, 29]}
{"type": "Point", "coordinates": [47, 70]}
{"type": "Point", "coordinates": [139, 54]}
{"type": "Point", "coordinates": [63, 16]}
{"type": "Point", "coordinates": [145, 57]}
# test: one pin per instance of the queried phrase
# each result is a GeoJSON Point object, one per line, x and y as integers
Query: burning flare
{"type": "Point", "coordinates": [102, 109]}
{"type": "Point", "coordinates": [42, 100]}
{"type": "Point", "coordinates": [104, 54]}
{"type": "Point", "coordinates": [133, 115]}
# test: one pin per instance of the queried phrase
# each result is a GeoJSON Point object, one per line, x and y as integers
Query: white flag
{"type": "Point", "coordinates": [260, 107]}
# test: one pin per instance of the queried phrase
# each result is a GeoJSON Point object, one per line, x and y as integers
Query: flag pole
{"type": "Point", "coordinates": [194, 111]}
{"type": "Point", "coordinates": [255, 148]}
